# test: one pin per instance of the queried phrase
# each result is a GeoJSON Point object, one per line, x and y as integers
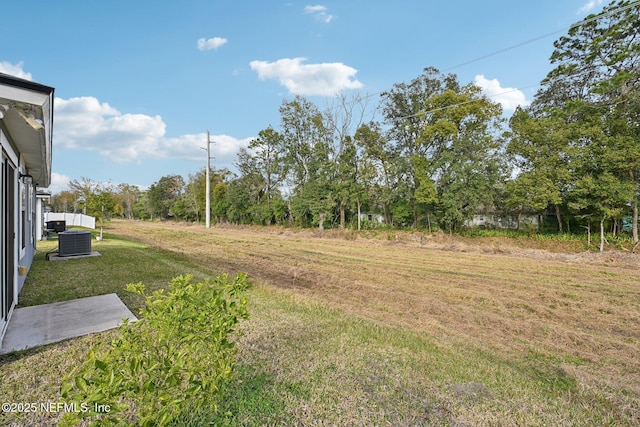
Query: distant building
{"type": "Point", "coordinates": [495, 219]}
{"type": "Point", "coordinates": [372, 217]}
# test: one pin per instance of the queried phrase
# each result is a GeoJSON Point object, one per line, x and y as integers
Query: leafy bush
{"type": "Point", "coordinates": [178, 356]}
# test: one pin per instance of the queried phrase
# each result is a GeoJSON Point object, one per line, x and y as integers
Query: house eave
{"type": "Point", "coordinates": [26, 112]}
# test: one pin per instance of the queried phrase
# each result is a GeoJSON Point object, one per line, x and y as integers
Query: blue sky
{"type": "Point", "coordinates": [139, 83]}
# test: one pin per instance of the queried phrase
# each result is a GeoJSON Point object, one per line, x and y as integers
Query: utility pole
{"type": "Point", "coordinates": [208, 184]}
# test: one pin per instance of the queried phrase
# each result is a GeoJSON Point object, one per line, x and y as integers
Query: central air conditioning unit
{"type": "Point", "coordinates": [74, 242]}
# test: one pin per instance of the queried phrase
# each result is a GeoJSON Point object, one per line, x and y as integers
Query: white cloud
{"type": "Point", "coordinates": [14, 70]}
{"type": "Point", "coordinates": [87, 124]}
{"type": "Point", "coordinates": [59, 183]}
{"type": "Point", "coordinates": [193, 147]}
{"type": "Point", "coordinates": [308, 79]}
{"type": "Point", "coordinates": [509, 97]}
{"type": "Point", "coordinates": [226, 147]}
{"type": "Point", "coordinates": [320, 12]}
{"type": "Point", "coordinates": [592, 4]}
{"type": "Point", "coordinates": [211, 44]}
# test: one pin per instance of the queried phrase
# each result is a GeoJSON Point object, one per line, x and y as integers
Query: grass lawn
{"type": "Point", "coordinates": [396, 329]}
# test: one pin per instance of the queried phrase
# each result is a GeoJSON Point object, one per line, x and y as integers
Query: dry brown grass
{"type": "Point", "coordinates": [381, 328]}
{"type": "Point", "coordinates": [484, 293]}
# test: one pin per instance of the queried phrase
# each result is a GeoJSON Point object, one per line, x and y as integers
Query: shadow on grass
{"type": "Point", "coordinates": [121, 262]}
{"type": "Point", "coordinates": [306, 363]}
{"type": "Point", "coordinates": [251, 399]}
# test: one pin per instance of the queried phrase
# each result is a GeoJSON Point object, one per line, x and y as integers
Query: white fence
{"type": "Point", "coordinates": [71, 219]}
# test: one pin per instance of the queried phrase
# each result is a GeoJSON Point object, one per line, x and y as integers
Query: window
{"type": "Point", "coordinates": [23, 217]}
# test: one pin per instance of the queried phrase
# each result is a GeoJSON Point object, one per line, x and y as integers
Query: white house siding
{"type": "Point", "coordinates": [26, 117]}
{"type": "Point", "coordinates": [372, 217]}
{"type": "Point", "coordinates": [496, 221]}
{"type": "Point", "coordinates": [26, 235]}
{"type": "Point", "coordinates": [8, 231]}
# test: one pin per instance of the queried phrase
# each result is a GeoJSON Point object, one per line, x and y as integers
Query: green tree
{"type": "Point", "coordinates": [126, 197]}
{"type": "Point", "coordinates": [601, 189]}
{"type": "Point", "coordinates": [307, 143]}
{"type": "Point", "coordinates": [405, 108]}
{"type": "Point", "coordinates": [313, 204]}
{"type": "Point", "coordinates": [601, 197]}
{"type": "Point", "coordinates": [459, 153]}
{"type": "Point", "coordinates": [141, 207]}
{"type": "Point", "coordinates": [378, 165]}
{"type": "Point", "coordinates": [346, 185]}
{"type": "Point", "coordinates": [302, 130]}
{"type": "Point", "coordinates": [82, 190]}
{"type": "Point", "coordinates": [63, 201]}
{"type": "Point", "coordinates": [254, 203]}
{"type": "Point", "coordinates": [268, 153]}
{"type": "Point", "coordinates": [528, 190]}
{"type": "Point", "coordinates": [239, 200]}
{"type": "Point", "coordinates": [262, 171]}
{"type": "Point", "coordinates": [597, 65]}
{"type": "Point", "coordinates": [192, 203]}
{"type": "Point", "coordinates": [541, 149]}
{"type": "Point", "coordinates": [183, 210]}
{"type": "Point", "coordinates": [163, 194]}
{"type": "Point", "coordinates": [101, 204]}
{"type": "Point", "coordinates": [220, 204]}
{"type": "Point", "coordinates": [343, 115]}
{"type": "Point", "coordinates": [445, 147]}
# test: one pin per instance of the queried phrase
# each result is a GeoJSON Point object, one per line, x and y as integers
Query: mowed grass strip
{"type": "Point", "coordinates": [374, 332]}
{"type": "Point", "coordinates": [572, 320]}
{"type": "Point", "coordinates": [320, 366]}
{"type": "Point", "coordinates": [121, 262]}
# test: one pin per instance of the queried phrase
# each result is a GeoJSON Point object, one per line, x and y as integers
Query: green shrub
{"type": "Point", "coordinates": [178, 356]}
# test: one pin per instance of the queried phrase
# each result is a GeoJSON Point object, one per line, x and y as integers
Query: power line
{"type": "Point", "coordinates": [424, 112]}
{"type": "Point", "coordinates": [524, 43]}
{"type": "Point", "coordinates": [535, 39]}
{"type": "Point", "coordinates": [583, 22]}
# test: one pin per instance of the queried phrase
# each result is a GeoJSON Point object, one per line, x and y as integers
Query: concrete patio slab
{"type": "Point", "coordinates": [65, 258]}
{"type": "Point", "coordinates": [49, 323]}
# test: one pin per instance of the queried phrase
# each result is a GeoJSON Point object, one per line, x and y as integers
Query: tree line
{"type": "Point", "coordinates": [441, 152]}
